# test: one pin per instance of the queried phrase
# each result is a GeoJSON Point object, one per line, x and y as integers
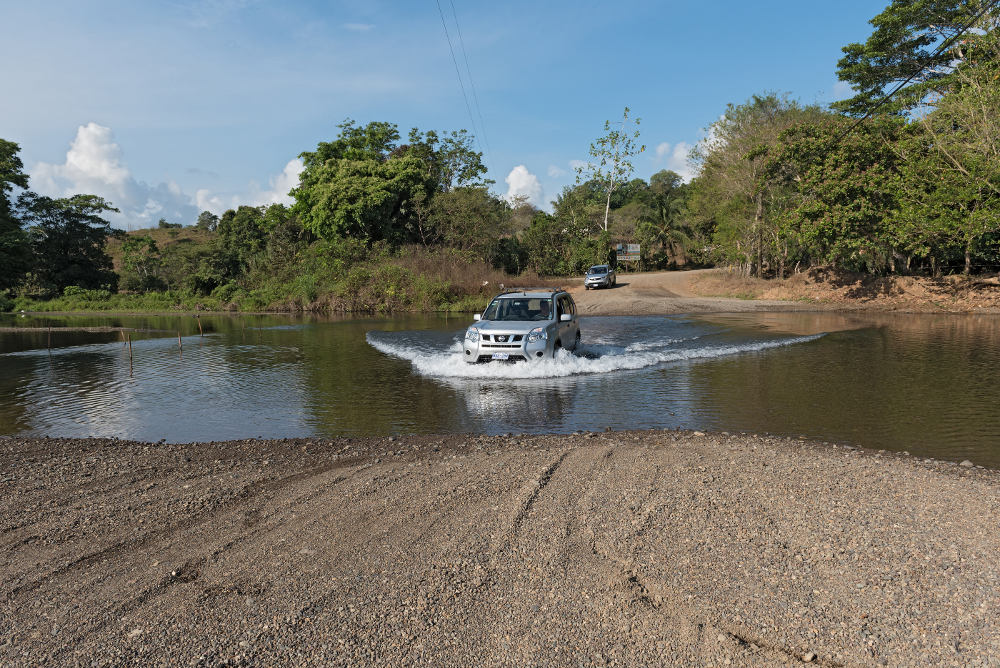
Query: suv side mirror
{"type": "Point", "coordinates": [566, 317]}
{"type": "Point", "coordinates": [476, 317]}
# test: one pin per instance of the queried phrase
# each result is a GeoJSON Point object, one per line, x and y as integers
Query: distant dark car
{"type": "Point", "coordinates": [599, 276]}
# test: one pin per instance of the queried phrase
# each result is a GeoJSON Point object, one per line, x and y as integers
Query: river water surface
{"type": "Point", "coordinates": [923, 384]}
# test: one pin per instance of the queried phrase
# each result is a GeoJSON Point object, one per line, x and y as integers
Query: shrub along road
{"type": "Point", "coordinates": [643, 548]}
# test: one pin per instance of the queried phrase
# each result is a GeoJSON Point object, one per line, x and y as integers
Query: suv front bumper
{"type": "Point", "coordinates": [505, 347]}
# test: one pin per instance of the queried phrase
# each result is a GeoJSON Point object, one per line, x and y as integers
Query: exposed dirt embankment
{"type": "Point", "coordinates": [644, 548]}
{"type": "Point", "coordinates": [719, 290]}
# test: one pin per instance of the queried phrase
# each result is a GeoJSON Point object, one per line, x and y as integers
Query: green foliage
{"type": "Point", "coordinates": [470, 220]}
{"type": "Point", "coordinates": [663, 232]}
{"type": "Point", "coordinates": [15, 253]}
{"type": "Point", "coordinates": [902, 47]}
{"type": "Point", "coordinates": [207, 221]}
{"type": "Point", "coordinates": [140, 265]}
{"type": "Point", "coordinates": [736, 194]}
{"type": "Point", "coordinates": [848, 188]}
{"type": "Point", "coordinates": [451, 162]}
{"type": "Point", "coordinates": [950, 186]}
{"type": "Point", "coordinates": [612, 159]}
{"type": "Point", "coordinates": [67, 238]}
{"type": "Point", "coordinates": [366, 199]}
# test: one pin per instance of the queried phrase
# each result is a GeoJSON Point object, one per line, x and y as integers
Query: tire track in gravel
{"type": "Point", "coordinates": [243, 495]}
{"type": "Point", "coordinates": [660, 599]}
{"type": "Point", "coordinates": [536, 490]}
{"type": "Point", "coordinates": [190, 570]}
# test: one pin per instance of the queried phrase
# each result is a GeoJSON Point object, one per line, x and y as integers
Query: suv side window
{"type": "Point", "coordinates": [565, 305]}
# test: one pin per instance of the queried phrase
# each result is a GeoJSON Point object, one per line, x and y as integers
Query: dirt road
{"type": "Point", "coordinates": [646, 548]}
{"type": "Point", "coordinates": [666, 292]}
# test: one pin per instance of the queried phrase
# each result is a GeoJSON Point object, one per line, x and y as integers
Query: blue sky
{"type": "Point", "coordinates": [170, 107]}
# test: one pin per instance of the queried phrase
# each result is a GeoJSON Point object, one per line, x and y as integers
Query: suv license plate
{"type": "Point", "coordinates": [501, 356]}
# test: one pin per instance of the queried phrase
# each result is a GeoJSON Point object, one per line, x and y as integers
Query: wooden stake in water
{"type": "Point", "coordinates": [180, 346]}
{"type": "Point", "coordinates": [129, 354]}
{"type": "Point", "coordinates": [200, 332]}
{"type": "Point", "coordinates": [49, 346]}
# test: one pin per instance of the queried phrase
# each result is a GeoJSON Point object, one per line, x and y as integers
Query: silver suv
{"type": "Point", "coordinates": [600, 276]}
{"type": "Point", "coordinates": [523, 324]}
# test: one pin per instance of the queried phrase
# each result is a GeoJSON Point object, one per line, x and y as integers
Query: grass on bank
{"type": "Point", "coordinates": [412, 279]}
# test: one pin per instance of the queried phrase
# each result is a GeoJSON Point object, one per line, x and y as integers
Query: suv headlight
{"type": "Point", "coordinates": [537, 334]}
{"type": "Point", "coordinates": [472, 334]}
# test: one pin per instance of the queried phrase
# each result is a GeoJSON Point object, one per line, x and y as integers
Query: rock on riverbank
{"type": "Point", "coordinates": [641, 548]}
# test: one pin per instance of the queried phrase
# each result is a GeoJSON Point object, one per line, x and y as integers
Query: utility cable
{"type": "Point", "coordinates": [472, 84]}
{"type": "Point", "coordinates": [458, 72]}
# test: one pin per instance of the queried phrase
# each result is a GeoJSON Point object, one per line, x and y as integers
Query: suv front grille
{"type": "Point", "coordinates": [503, 338]}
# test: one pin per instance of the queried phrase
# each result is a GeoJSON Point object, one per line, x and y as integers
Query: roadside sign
{"type": "Point", "coordinates": [627, 252]}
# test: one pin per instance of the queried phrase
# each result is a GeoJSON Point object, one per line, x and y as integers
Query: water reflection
{"type": "Point", "coordinates": [904, 382]}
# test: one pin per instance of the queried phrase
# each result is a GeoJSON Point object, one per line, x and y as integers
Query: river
{"type": "Point", "coordinates": [925, 384]}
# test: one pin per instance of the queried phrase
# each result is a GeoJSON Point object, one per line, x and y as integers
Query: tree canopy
{"type": "Point", "coordinates": [905, 47]}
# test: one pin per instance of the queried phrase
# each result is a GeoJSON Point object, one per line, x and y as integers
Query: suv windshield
{"type": "Point", "coordinates": [519, 309]}
{"type": "Point", "coordinates": [599, 269]}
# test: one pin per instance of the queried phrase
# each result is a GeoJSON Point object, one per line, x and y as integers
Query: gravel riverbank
{"type": "Point", "coordinates": [631, 548]}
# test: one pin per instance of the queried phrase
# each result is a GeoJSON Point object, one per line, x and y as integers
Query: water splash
{"type": "Point", "coordinates": [591, 358]}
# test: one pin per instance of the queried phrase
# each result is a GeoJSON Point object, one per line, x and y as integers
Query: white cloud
{"type": "Point", "coordinates": [280, 185]}
{"type": "Point", "coordinates": [521, 182]}
{"type": "Point", "coordinates": [578, 164]}
{"type": "Point", "coordinates": [555, 172]}
{"type": "Point", "coordinates": [675, 157]}
{"type": "Point", "coordinates": [94, 166]}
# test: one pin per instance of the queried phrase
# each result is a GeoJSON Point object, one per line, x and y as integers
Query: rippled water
{"type": "Point", "coordinates": [925, 384]}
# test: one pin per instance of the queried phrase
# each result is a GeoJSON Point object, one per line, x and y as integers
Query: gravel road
{"type": "Point", "coordinates": [616, 548]}
{"type": "Point", "coordinates": [666, 292]}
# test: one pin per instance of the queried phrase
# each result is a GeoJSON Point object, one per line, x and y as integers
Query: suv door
{"type": "Point", "coordinates": [567, 330]}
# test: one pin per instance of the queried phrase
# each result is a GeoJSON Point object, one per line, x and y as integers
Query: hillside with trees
{"type": "Point", "coordinates": [901, 178]}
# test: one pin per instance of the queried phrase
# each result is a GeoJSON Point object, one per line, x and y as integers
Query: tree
{"type": "Point", "coordinates": [904, 47]}
{"type": "Point", "coordinates": [950, 193]}
{"type": "Point", "coordinates": [15, 255]}
{"type": "Point", "coordinates": [472, 220]}
{"type": "Point", "coordinates": [67, 238]}
{"type": "Point", "coordinates": [140, 264]}
{"type": "Point", "coordinates": [375, 141]}
{"type": "Point", "coordinates": [451, 162]}
{"type": "Point", "coordinates": [847, 189]}
{"type": "Point", "coordinates": [207, 221]}
{"type": "Point", "coordinates": [367, 199]}
{"type": "Point", "coordinates": [612, 155]}
{"type": "Point", "coordinates": [661, 224]}
{"type": "Point", "coordinates": [734, 190]}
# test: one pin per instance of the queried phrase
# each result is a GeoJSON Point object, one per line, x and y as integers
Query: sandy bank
{"type": "Point", "coordinates": [639, 548]}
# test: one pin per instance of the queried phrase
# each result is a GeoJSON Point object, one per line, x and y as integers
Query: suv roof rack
{"type": "Point", "coordinates": [507, 291]}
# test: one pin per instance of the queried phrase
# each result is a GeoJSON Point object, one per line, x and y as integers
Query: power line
{"type": "Point", "coordinates": [458, 72]}
{"type": "Point", "coordinates": [472, 84]}
{"type": "Point", "coordinates": [944, 45]}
